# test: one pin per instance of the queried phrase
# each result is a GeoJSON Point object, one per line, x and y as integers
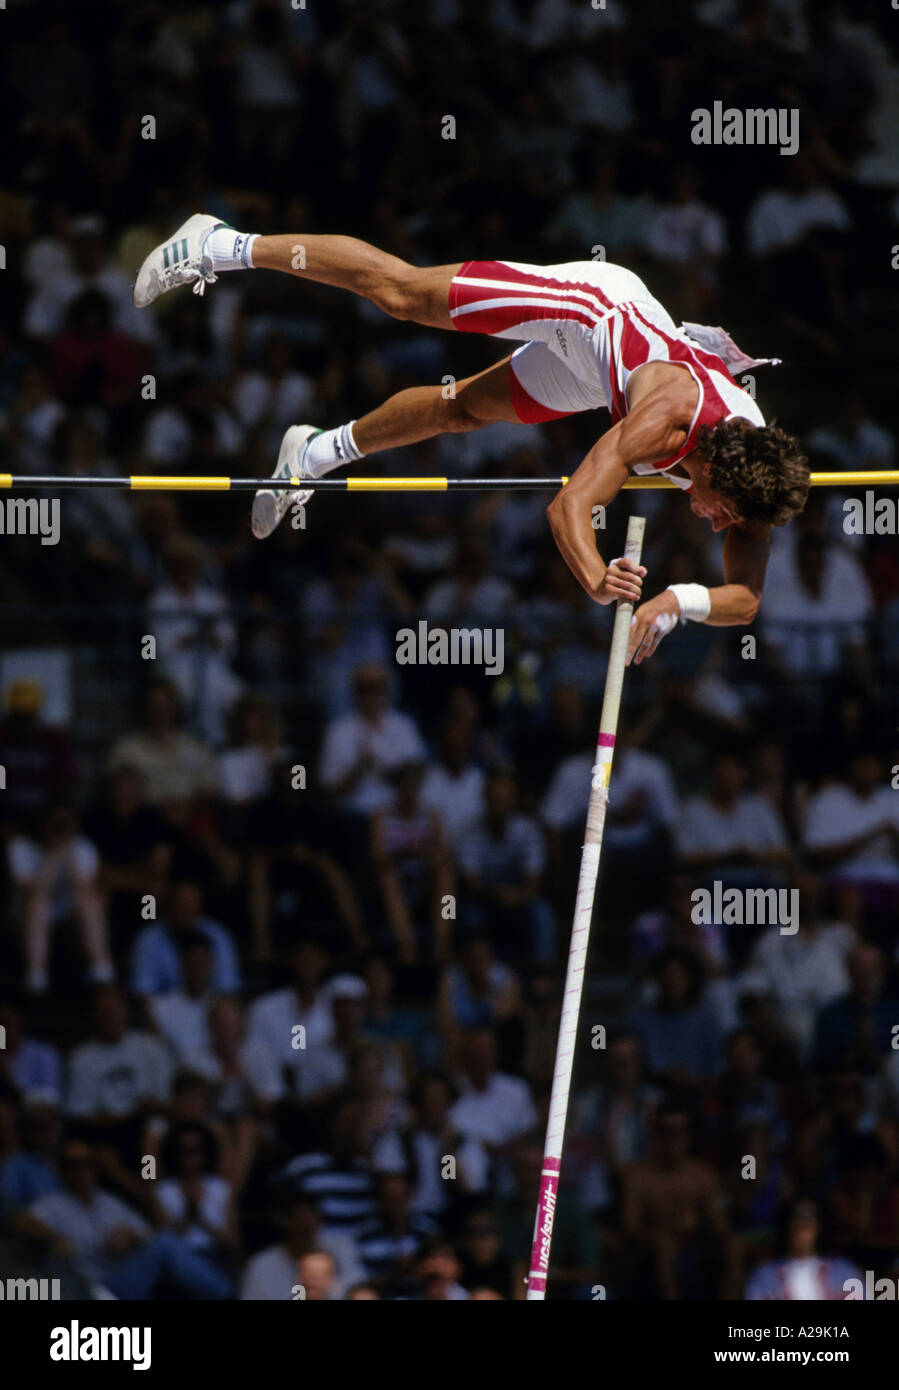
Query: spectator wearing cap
{"type": "Point", "coordinates": [38, 757]}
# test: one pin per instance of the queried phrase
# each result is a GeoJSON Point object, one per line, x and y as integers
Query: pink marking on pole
{"type": "Point", "coordinates": [543, 1227]}
{"type": "Point", "coordinates": [606, 741]}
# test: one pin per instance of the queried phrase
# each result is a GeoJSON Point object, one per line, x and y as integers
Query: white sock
{"type": "Point", "coordinates": [230, 250]}
{"type": "Point", "coordinates": [330, 449]}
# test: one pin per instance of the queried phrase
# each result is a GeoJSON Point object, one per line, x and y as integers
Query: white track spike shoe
{"type": "Point", "coordinates": [178, 261]}
{"type": "Point", "coordinates": [271, 504]}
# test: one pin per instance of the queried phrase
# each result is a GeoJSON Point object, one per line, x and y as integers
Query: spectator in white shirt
{"type": "Point", "coordinates": [493, 1107]}
{"type": "Point", "coordinates": [195, 639]}
{"type": "Point", "coordinates": [175, 766]}
{"type": "Point", "coordinates": [454, 785]}
{"type": "Point", "coordinates": [246, 1083]}
{"type": "Point", "coordinates": [109, 1243]}
{"type": "Point", "coordinates": [850, 438]}
{"type": "Point", "coordinates": [195, 429]}
{"type": "Point", "coordinates": [852, 828]}
{"type": "Point", "coordinates": [193, 1199]}
{"type": "Point", "coordinates": [244, 1071]}
{"type": "Point", "coordinates": [117, 1080]}
{"type": "Point", "coordinates": [684, 230]}
{"type": "Point", "coordinates": [418, 1150]}
{"type": "Point", "coordinates": [56, 875]}
{"type": "Point", "coordinates": [817, 606]}
{"type": "Point", "coordinates": [85, 269]}
{"type": "Point", "coordinates": [729, 830]}
{"type": "Point", "coordinates": [245, 767]}
{"type": "Point", "coordinates": [782, 217]}
{"type": "Point", "coordinates": [687, 234]}
{"type": "Point", "coordinates": [362, 749]}
{"type": "Point", "coordinates": [181, 1016]}
{"type": "Point", "coordinates": [275, 395]}
{"type": "Point", "coordinates": [799, 973]}
{"type": "Point", "coordinates": [273, 1274]}
{"type": "Point", "coordinates": [645, 798]}
{"type": "Point", "coordinates": [276, 1018]}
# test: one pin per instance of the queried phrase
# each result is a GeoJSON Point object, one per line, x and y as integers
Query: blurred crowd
{"type": "Point", "coordinates": [284, 924]}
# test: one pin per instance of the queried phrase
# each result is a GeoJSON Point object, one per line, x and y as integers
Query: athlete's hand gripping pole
{"type": "Point", "coordinates": [580, 933]}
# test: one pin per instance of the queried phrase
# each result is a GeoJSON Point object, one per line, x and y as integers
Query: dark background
{"type": "Point", "coordinates": [572, 132]}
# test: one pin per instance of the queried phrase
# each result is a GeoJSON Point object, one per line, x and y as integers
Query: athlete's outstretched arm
{"type": "Point", "coordinates": [654, 430]}
{"type": "Point", "coordinates": [745, 559]}
{"type": "Point", "coordinates": [731, 604]}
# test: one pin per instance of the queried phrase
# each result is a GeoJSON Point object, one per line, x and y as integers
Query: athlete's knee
{"type": "Point", "coordinates": [401, 293]}
{"type": "Point", "coordinates": [459, 416]}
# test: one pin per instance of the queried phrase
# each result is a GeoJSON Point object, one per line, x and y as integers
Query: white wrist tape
{"type": "Point", "coordinates": [694, 600]}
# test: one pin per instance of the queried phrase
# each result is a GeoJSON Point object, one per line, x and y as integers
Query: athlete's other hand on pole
{"type": "Point", "coordinates": [651, 622]}
{"type": "Point", "coordinates": [622, 580]}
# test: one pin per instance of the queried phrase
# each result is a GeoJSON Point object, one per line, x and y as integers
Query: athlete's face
{"type": "Point", "coordinates": [710, 505]}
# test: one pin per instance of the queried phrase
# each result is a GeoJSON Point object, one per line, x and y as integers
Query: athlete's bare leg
{"type": "Point", "coordinates": [420, 294]}
{"type": "Point", "coordinates": [423, 411]}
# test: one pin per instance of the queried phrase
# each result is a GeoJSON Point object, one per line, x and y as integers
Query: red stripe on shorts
{"type": "Point", "coordinates": [581, 302]}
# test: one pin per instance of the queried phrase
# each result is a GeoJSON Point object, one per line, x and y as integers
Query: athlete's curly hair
{"type": "Point", "coordinates": [762, 471]}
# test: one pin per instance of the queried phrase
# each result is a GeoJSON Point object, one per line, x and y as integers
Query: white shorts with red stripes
{"type": "Point", "coordinates": [557, 311]}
